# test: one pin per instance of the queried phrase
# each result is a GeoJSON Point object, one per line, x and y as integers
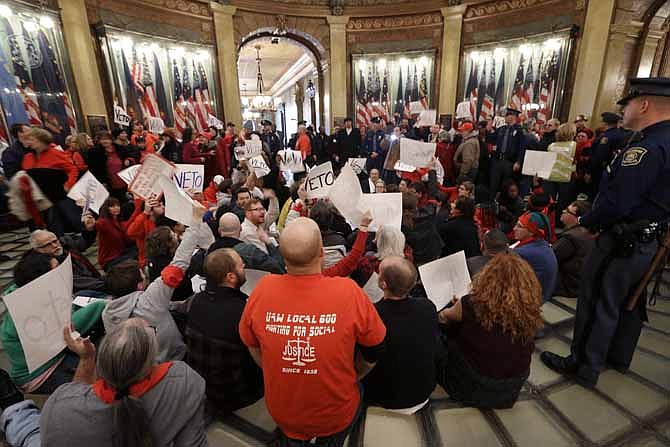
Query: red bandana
{"type": "Point", "coordinates": [107, 394]}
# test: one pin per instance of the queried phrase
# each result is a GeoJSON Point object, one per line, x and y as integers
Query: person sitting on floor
{"type": "Point", "coordinates": [404, 376]}
{"type": "Point", "coordinates": [491, 342]}
{"type": "Point", "coordinates": [495, 242]}
{"type": "Point", "coordinates": [571, 248]}
{"type": "Point", "coordinates": [459, 232]}
{"type": "Point", "coordinates": [215, 349]}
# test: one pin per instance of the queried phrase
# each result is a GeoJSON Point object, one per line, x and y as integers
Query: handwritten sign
{"type": "Point", "coordinates": [415, 107]}
{"type": "Point", "coordinates": [189, 177]}
{"type": "Point", "coordinates": [538, 163]}
{"type": "Point", "coordinates": [400, 166]}
{"type": "Point", "coordinates": [427, 118]}
{"type": "Point", "coordinates": [128, 174]}
{"type": "Point", "coordinates": [416, 153]}
{"type": "Point", "coordinates": [386, 209]}
{"type": "Point", "coordinates": [357, 164]}
{"type": "Point", "coordinates": [445, 278]}
{"type": "Point", "coordinates": [259, 166]}
{"type": "Point", "coordinates": [346, 193]}
{"type": "Point", "coordinates": [250, 149]}
{"type": "Point", "coordinates": [319, 180]}
{"type": "Point", "coordinates": [155, 125]}
{"type": "Point", "coordinates": [120, 116]}
{"type": "Point", "coordinates": [40, 310]}
{"type": "Point", "coordinates": [372, 290]}
{"type": "Point", "coordinates": [178, 205]}
{"type": "Point", "coordinates": [89, 192]}
{"type": "Point", "coordinates": [564, 166]}
{"type": "Point", "coordinates": [145, 184]}
{"type": "Point", "coordinates": [291, 161]}
{"type": "Point", "coordinates": [213, 121]}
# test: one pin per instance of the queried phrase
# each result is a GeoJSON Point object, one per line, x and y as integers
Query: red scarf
{"type": "Point", "coordinates": [108, 394]}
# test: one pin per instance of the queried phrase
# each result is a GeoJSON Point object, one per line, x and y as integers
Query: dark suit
{"type": "Point", "coordinates": [349, 144]}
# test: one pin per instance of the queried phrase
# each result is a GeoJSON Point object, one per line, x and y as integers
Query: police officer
{"type": "Point", "coordinates": [270, 138]}
{"type": "Point", "coordinates": [509, 141]}
{"type": "Point", "coordinates": [634, 197]}
{"type": "Point", "coordinates": [605, 146]}
{"type": "Point", "coordinates": [372, 146]}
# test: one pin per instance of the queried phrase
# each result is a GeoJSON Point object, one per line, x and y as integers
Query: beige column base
{"type": "Point", "coordinates": [226, 52]}
{"type": "Point", "coordinates": [339, 94]}
{"type": "Point", "coordinates": [451, 57]}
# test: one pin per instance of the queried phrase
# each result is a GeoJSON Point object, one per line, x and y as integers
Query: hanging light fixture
{"type": "Point", "coordinates": [261, 103]}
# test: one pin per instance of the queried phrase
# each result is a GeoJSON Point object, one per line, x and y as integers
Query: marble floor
{"type": "Point", "coordinates": [624, 410]}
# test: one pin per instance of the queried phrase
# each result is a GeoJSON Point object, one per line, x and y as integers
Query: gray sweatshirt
{"type": "Point", "coordinates": [153, 303]}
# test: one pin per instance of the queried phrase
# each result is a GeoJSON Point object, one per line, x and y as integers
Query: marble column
{"type": "Point", "coordinates": [653, 39]}
{"type": "Point", "coordinates": [591, 61]}
{"type": "Point", "coordinates": [451, 57]}
{"type": "Point", "coordinates": [338, 67]}
{"type": "Point", "coordinates": [77, 34]}
{"type": "Point", "coordinates": [226, 52]}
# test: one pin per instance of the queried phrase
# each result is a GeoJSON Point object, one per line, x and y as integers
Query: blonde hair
{"type": "Point", "coordinates": [566, 132]}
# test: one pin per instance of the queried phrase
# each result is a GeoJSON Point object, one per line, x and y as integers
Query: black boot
{"type": "Point", "coordinates": [9, 393]}
{"type": "Point", "coordinates": [562, 365]}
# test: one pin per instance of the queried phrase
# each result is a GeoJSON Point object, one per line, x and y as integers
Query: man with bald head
{"type": "Point", "coordinates": [404, 376]}
{"type": "Point", "coordinates": [305, 330]}
{"type": "Point", "coordinates": [229, 230]}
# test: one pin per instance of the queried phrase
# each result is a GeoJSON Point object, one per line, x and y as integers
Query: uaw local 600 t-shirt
{"type": "Point", "coordinates": [307, 328]}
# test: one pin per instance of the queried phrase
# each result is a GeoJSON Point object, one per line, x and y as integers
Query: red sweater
{"type": "Point", "coordinates": [52, 158]}
{"type": "Point", "coordinates": [223, 161]}
{"type": "Point", "coordinates": [111, 239]}
{"type": "Point", "coordinates": [348, 264]}
{"type": "Point", "coordinates": [191, 154]}
{"type": "Point", "coordinates": [139, 227]}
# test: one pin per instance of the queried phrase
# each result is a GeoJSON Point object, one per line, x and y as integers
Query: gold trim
{"type": "Point", "coordinates": [387, 23]}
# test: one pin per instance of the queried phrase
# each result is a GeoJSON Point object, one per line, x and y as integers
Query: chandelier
{"type": "Point", "coordinates": [260, 103]}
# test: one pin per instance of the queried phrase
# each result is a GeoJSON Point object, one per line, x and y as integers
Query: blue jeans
{"type": "Point", "coordinates": [21, 424]}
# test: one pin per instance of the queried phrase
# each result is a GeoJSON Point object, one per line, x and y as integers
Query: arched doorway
{"type": "Point", "coordinates": [294, 85]}
{"type": "Point", "coordinates": [653, 48]}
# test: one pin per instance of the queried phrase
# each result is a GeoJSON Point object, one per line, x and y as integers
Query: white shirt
{"type": "Point", "coordinates": [372, 186]}
{"type": "Point", "coordinates": [249, 234]}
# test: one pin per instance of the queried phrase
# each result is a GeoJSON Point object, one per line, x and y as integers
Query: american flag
{"type": "Point", "coordinates": [385, 100]}
{"type": "Point", "coordinates": [159, 86]}
{"type": "Point", "coordinates": [188, 97]}
{"type": "Point", "coordinates": [201, 114]}
{"type": "Point", "coordinates": [399, 103]}
{"type": "Point", "coordinates": [375, 106]}
{"type": "Point", "coordinates": [528, 90]}
{"type": "Point", "coordinates": [408, 94]}
{"type": "Point", "coordinates": [362, 113]}
{"type": "Point", "coordinates": [471, 92]}
{"type": "Point", "coordinates": [136, 71]}
{"type": "Point", "coordinates": [423, 90]}
{"type": "Point", "coordinates": [180, 122]}
{"type": "Point", "coordinates": [546, 90]}
{"type": "Point", "coordinates": [516, 101]}
{"type": "Point", "coordinates": [150, 102]}
{"type": "Point", "coordinates": [204, 89]}
{"type": "Point", "coordinates": [488, 106]}
{"type": "Point", "coordinates": [23, 82]}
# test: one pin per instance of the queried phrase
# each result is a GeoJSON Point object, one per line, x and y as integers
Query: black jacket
{"type": "Point", "coordinates": [349, 145]}
{"type": "Point", "coordinates": [459, 233]}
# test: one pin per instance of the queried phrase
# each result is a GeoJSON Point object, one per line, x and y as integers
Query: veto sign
{"type": "Point", "coordinates": [445, 278]}
{"type": "Point", "coordinates": [250, 149]}
{"type": "Point", "coordinates": [319, 180]}
{"type": "Point", "coordinates": [259, 166]}
{"type": "Point", "coordinates": [155, 125]}
{"type": "Point", "coordinates": [40, 310]}
{"type": "Point", "coordinates": [189, 177]}
{"type": "Point", "coordinates": [416, 153]}
{"type": "Point", "coordinates": [89, 192]}
{"type": "Point", "coordinates": [357, 164]}
{"type": "Point", "coordinates": [120, 116]}
{"type": "Point", "coordinates": [145, 184]}
{"type": "Point", "coordinates": [291, 161]}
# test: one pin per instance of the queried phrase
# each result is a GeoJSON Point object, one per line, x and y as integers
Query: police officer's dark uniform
{"type": "Point", "coordinates": [373, 144]}
{"type": "Point", "coordinates": [605, 147]}
{"type": "Point", "coordinates": [509, 144]}
{"type": "Point", "coordinates": [632, 203]}
{"type": "Point", "coordinates": [271, 139]}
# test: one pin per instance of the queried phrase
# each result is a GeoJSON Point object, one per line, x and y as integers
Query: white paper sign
{"type": "Point", "coordinates": [89, 192]}
{"type": "Point", "coordinates": [386, 209]}
{"type": "Point", "coordinates": [357, 164]}
{"type": "Point", "coordinates": [178, 205]}
{"type": "Point", "coordinates": [128, 174]}
{"type": "Point", "coordinates": [83, 301]}
{"type": "Point", "coordinates": [155, 125]}
{"type": "Point", "coordinates": [145, 183]}
{"type": "Point", "coordinates": [190, 177]}
{"type": "Point", "coordinates": [259, 166]}
{"type": "Point", "coordinates": [372, 290]}
{"type": "Point", "coordinates": [427, 118]}
{"type": "Point", "coordinates": [120, 116]}
{"type": "Point", "coordinates": [253, 276]}
{"type": "Point", "coordinates": [250, 149]}
{"type": "Point", "coordinates": [213, 121]}
{"type": "Point", "coordinates": [416, 153]}
{"type": "Point", "coordinates": [40, 310]}
{"type": "Point", "coordinates": [400, 166]}
{"type": "Point", "coordinates": [538, 163]}
{"type": "Point", "coordinates": [346, 193]}
{"type": "Point", "coordinates": [415, 107]}
{"type": "Point", "coordinates": [445, 278]}
{"type": "Point", "coordinates": [319, 180]}
{"type": "Point", "coordinates": [291, 161]}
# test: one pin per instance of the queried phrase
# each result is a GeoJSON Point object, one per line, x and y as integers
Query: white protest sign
{"type": "Point", "coordinates": [178, 205]}
{"type": "Point", "coordinates": [89, 191]}
{"type": "Point", "coordinates": [213, 121]}
{"type": "Point", "coordinates": [259, 166]}
{"type": "Point", "coordinates": [190, 177]}
{"type": "Point", "coordinates": [155, 125]}
{"type": "Point", "coordinates": [128, 174]}
{"type": "Point", "coordinates": [250, 149]}
{"type": "Point", "coordinates": [400, 166]}
{"type": "Point", "coordinates": [372, 290]}
{"type": "Point", "coordinates": [427, 118]}
{"type": "Point", "coordinates": [145, 183]}
{"type": "Point", "coordinates": [445, 278]}
{"type": "Point", "coordinates": [346, 193]}
{"type": "Point", "coordinates": [253, 276]}
{"type": "Point", "coordinates": [415, 107]}
{"type": "Point", "coordinates": [198, 283]}
{"type": "Point", "coordinates": [120, 116]}
{"type": "Point", "coordinates": [291, 161]}
{"type": "Point", "coordinates": [83, 301]}
{"type": "Point", "coordinates": [538, 163]}
{"type": "Point", "coordinates": [416, 153]}
{"type": "Point", "coordinates": [386, 209]}
{"type": "Point", "coordinates": [319, 180]}
{"type": "Point", "coordinates": [357, 164]}
{"type": "Point", "coordinates": [40, 310]}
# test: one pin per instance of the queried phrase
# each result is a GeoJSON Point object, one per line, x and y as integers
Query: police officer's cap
{"type": "Point", "coordinates": [302, 123]}
{"type": "Point", "coordinates": [646, 87]}
{"type": "Point", "coordinates": [579, 118]}
{"type": "Point", "coordinates": [266, 123]}
{"type": "Point", "coordinates": [511, 111]}
{"type": "Point", "coordinates": [610, 118]}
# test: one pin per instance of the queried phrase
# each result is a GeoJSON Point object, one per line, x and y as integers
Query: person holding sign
{"type": "Point", "coordinates": [490, 349]}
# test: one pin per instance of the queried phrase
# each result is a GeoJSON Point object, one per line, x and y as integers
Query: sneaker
{"type": "Point", "coordinates": [9, 393]}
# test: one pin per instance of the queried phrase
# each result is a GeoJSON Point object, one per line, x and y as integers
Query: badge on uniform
{"type": "Point", "coordinates": [603, 140]}
{"type": "Point", "coordinates": [633, 156]}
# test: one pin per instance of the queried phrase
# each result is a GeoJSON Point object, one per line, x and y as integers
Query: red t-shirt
{"type": "Point", "coordinates": [307, 328]}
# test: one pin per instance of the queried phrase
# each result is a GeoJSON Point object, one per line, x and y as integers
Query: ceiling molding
{"type": "Point", "coordinates": [303, 67]}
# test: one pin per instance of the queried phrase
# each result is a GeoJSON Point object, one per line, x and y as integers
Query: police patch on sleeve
{"type": "Point", "coordinates": [633, 156]}
{"type": "Point", "coordinates": [603, 140]}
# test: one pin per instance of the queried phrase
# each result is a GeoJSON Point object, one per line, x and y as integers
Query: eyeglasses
{"type": "Point", "coordinates": [257, 209]}
{"type": "Point", "coordinates": [53, 242]}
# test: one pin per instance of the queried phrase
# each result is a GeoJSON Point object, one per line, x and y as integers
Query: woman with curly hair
{"type": "Point", "coordinates": [491, 334]}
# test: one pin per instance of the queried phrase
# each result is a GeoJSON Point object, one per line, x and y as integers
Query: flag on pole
{"type": "Point", "coordinates": [22, 81]}
{"type": "Point", "coordinates": [499, 99]}
{"type": "Point", "coordinates": [11, 98]}
{"type": "Point", "coordinates": [399, 101]}
{"type": "Point", "coordinates": [408, 94]}
{"type": "Point", "coordinates": [488, 103]}
{"type": "Point", "coordinates": [137, 74]}
{"type": "Point", "coordinates": [362, 116]}
{"type": "Point", "coordinates": [198, 102]}
{"type": "Point", "coordinates": [518, 91]}
{"type": "Point", "coordinates": [415, 86]}
{"type": "Point", "coordinates": [376, 107]}
{"type": "Point", "coordinates": [188, 97]}
{"type": "Point", "coordinates": [528, 88]}
{"type": "Point", "coordinates": [481, 91]}
{"type": "Point", "coordinates": [204, 89]}
{"type": "Point", "coordinates": [471, 89]}
{"type": "Point", "coordinates": [423, 89]}
{"type": "Point", "coordinates": [130, 96]}
{"type": "Point", "coordinates": [180, 122]}
{"type": "Point", "coordinates": [150, 102]}
{"type": "Point", "coordinates": [546, 89]}
{"type": "Point", "coordinates": [386, 102]}
{"type": "Point", "coordinates": [161, 97]}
